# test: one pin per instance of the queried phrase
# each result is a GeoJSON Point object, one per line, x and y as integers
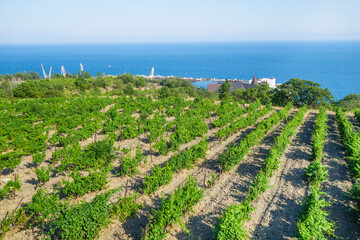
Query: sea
{"type": "Point", "coordinates": [334, 65]}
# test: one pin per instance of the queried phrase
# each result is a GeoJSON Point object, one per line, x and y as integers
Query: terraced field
{"type": "Point", "coordinates": [121, 168]}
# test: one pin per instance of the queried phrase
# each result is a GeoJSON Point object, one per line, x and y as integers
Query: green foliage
{"type": "Point", "coordinates": [349, 102]}
{"type": "Point", "coordinates": [159, 176]}
{"type": "Point", "coordinates": [177, 87]}
{"type": "Point", "coordinates": [357, 115]}
{"type": "Point", "coordinates": [125, 150]}
{"type": "Point", "coordinates": [39, 157]}
{"type": "Point", "coordinates": [125, 207]}
{"type": "Point", "coordinates": [172, 208]}
{"type": "Point", "coordinates": [162, 147]}
{"type": "Point", "coordinates": [230, 224]}
{"type": "Point", "coordinates": [212, 182]}
{"type": "Point", "coordinates": [355, 195]}
{"type": "Point", "coordinates": [300, 93]}
{"type": "Point", "coordinates": [81, 185]}
{"type": "Point", "coordinates": [351, 142]}
{"type": "Point", "coordinates": [227, 112]}
{"type": "Point", "coordinates": [316, 172]}
{"type": "Point", "coordinates": [224, 89]}
{"type": "Point", "coordinates": [191, 124]}
{"type": "Point", "coordinates": [96, 155]}
{"type": "Point", "coordinates": [10, 188]}
{"type": "Point", "coordinates": [10, 160]}
{"type": "Point", "coordinates": [250, 119]}
{"type": "Point", "coordinates": [173, 82]}
{"type": "Point", "coordinates": [14, 218]}
{"type": "Point", "coordinates": [129, 131]}
{"type": "Point", "coordinates": [129, 164]}
{"type": "Point", "coordinates": [163, 175]}
{"type": "Point", "coordinates": [261, 91]}
{"type": "Point", "coordinates": [313, 223]}
{"type": "Point", "coordinates": [38, 89]}
{"type": "Point", "coordinates": [44, 207]}
{"type": "Point", "coordinates": [129, 89]}
{"type": "Point", "coordinates": [235, 153]}
{"type": "Point", "coordinates": [43, 174]}
{"type": "Point", "coordinates": [82, 221]}
{"type": "Point", "coordinates": [134, 80]}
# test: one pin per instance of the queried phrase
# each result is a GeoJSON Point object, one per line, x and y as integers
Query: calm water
{"type": "Point", "coordinates": [335, 65]}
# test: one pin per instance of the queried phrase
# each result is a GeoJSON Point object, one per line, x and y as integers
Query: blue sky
{"type": "Point", "coordinates": [111, 21]}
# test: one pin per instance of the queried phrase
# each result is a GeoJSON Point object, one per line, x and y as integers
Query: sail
{"type": "Point", "coordinates": [63, 71]}
{"type": "Point", "coordinates": [152, 73]}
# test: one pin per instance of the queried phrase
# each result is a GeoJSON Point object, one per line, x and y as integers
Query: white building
{"type": "Point", "coordinates": [270, 81]}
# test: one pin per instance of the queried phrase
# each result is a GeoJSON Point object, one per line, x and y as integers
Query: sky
{"type": "Point", "coordinates": [117, 21]}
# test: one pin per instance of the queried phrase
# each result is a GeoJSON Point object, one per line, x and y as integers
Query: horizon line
{"type": "Point", "coordinates": [185, 42]}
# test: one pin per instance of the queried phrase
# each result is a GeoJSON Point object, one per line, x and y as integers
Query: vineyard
{"type": "Point", "coordinates": [175, 168]}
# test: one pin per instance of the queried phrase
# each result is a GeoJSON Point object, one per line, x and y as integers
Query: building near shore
{"type": "Point", "coordinates": [241, 84]}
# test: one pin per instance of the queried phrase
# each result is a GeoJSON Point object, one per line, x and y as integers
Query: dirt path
{"type": "Point", "coordinates": [229, 189]}
{"type": "Point", "coordinates": [278, 208]}
{"type": "Point", "coordinates": [339, 180]}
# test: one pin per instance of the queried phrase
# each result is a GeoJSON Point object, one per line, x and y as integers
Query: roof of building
{"type": "Point", "coordinates": [214, 87]}
{"type": "Point", "coordinates": [238, 85]}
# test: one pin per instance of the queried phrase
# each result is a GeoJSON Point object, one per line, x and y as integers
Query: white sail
{"type": "Point", "coordinates": [50, 72]}
{"type": "Point", "coordinates": [152, 73]}
{"type": "Point", "coordinates": [45, 76]}
{"type": "Point", "coordinates": [63, 72]}
{"type": "Point", "coordinates": [81, 67]}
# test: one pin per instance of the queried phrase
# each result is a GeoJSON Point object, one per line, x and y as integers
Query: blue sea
{"type": "Point", "coordinates": [335, 65]}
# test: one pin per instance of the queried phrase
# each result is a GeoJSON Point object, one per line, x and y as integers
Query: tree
{"type": "Point", "coordinates": [85, 75]}
{"type": "Point", "coordinates": [56, 75]}
{"type": "Point", "coordinates": [350, 102]}
{"type": "Point", "coordinates": [301, 92]}
{"type": "Point", "coordinates": [33, 75]}
{"type": "Point", "coordinates": [164, 92]}
{"type": "Point", "coordinates": [224, 89]}
{"type": "Point", "coordinates": [176, 82]}
{"type": "Point", "coordinates": [261, 91]}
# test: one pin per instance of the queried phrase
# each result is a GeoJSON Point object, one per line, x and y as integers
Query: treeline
{"type": "Point", "coordinates": [298, 92]}
{"type": "Point", "coordinates": [30, 85]}
{"type": "Point", "coordinates": [178, 87]}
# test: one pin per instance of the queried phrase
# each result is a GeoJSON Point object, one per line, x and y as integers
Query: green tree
{"type": "Point", "coordinates": [224, 89]}
{"type": "Point", "coordinates": [164, 92]}
{"type": "Point", "coordinates": [176, 82]}
{"type": "Point", "coordinates": [33, 75]}
{"type": "Point", "coordinates": [5, 89]}
{"type": "Point", "coordinates": [261, 91]}
{"type": "Point", "coordinates": [56, 75]}
{"type": "Point", "coordinates": [301, 92]}
{"type": "Point", "coordinates": [350, 102]}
